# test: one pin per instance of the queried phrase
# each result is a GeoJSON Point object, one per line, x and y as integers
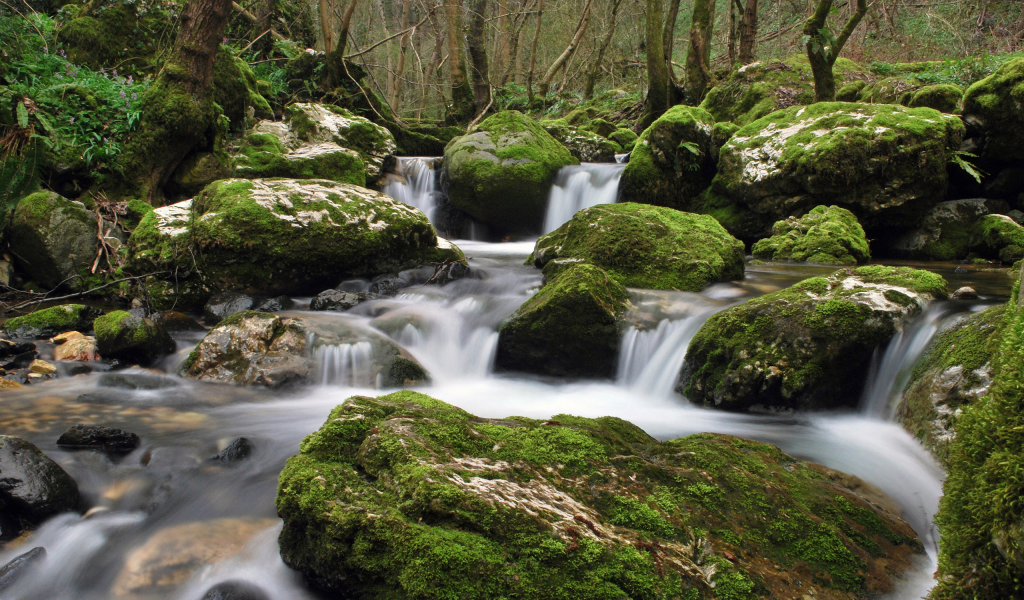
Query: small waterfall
{"type": "Point", "coordinates": [348, 365]}
{"type": "Point", "coordinates": [650, 360]}
{"type": "Point", "coordinates": [622, 158]}
{"type": "Point", "coordinates": [578, 187]}
{"type": "Point", "coordinates": [414, 182]}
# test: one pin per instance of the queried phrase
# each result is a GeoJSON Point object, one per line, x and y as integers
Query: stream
{"type": "Point", "coordinates": [170, 481]}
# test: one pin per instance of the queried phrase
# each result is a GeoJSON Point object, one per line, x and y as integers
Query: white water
{"type": "Point", "coordinates": [345, 364]}
{"type": "Point", "coordinates": [581, 186]}
{"type": "Point", "coordinates": [649, 360]}
{"type": "Point", "coordinates": [415, 183]}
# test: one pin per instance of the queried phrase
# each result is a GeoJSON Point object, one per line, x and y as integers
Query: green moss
{"type": "Point", "coordinates": [826, 235]}
{"type": "Point", "coordinates": [115, 35]}
{"type": "Point", "coordinates": [623, 137]}
{"type": "Point", "coordinates": [130, 338]}
{"type": "Point", "coordinates": [944, 97]}
{"type": "Point", "coordinates": [236, 91]}
{"type": "Point", "coordinates": [994, 107]}
{"type": "Point", "coordinates": [52, 321]}
{"type": "Point", "coordinates": [890, 90]}
{"type": "Point", "coordinates": [1002, 237]}
{"type": "Point", "coordinates": [262, 155]}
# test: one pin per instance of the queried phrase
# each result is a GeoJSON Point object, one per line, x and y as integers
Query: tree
{"type": "Point", "coordinates": [563, 58]}
{"type": "Point", "coordinates": [698, 59]}
{"type": "Point", "coordinates": [396, 98]}
{"type": "Point", "coordinates": [823, 49]}
{"type": "Point", "coordinates": [748, 32]}
{"type": "Point", "coordinates": [461, 109]}
{"type": "Point", "coordinates": [533, 51]}
{"type": "Point", "coordinates": [595, 68]}
{"type": "Point", "coordinates": [657, 69]}
{"type": "Point", "coordinates": [478, 58]}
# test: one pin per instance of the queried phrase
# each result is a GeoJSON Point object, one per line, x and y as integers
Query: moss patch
{"type": "Point", "coordinates": [995, 108]}
{"type": "Point", "coordinates": [52, 321]}
{"type": "Point", "coordinates": [827, 235]}
{"type": "Point", "coordinates": [131, 338]}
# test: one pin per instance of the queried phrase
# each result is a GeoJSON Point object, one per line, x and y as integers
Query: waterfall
{"type": "Point", "coordinates": [650, 360]}
{"type": "Point", "coordinates": [345, 364]}
{"type": "Point", "coordinates": [414, 182]}
{"type": "Point", "coordinates": [578, 187]}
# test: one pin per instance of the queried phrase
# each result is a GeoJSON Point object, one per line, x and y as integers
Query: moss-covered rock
{"type": "Point", "coordinates": [325, 123]}
{"type": "Point", "coordinates": [570, 328]}
{"type": "Point", "coordinates": [993, 110]}
{"type": "Point", "coordinates": [198, 171]}
{"type": "Point", "coordinates": [644, 246]}
{"type": "Point", "coordinates": [52, 321]}
{"type": "Point", "coordinates": [827, 235]}
{"type": "Point", "coordinates": [55, 239]}
{"type": "Point", "coordinates": [672, 161]}
{"type": "Point", "coordinates": [407, 497]}
{"type": "Point", "coordinates": [957, 229]}
{"type": "Point", "coordinates": [890, 90]}
{"type": "Point", "coordinates": [277, 236]}
{"type": "Point", "coordinates": [131, 338]}
{"type": "Point", "coordinates": [114, 35]}
{"type": "Point", "coordinates": [944, 97]}
{"type": "Point", "coordinates": [501, 174]}
{"type": "Point", "coordinates": [761, 88]}
{"type": "Point", "coordinates": [262, 155]}
{"type": "Point", "coordinates": [1000, 236]}
{"type": "Point", "coordinates": [624, 138]}
{"type": "Point", "coordinates": [583, 144]}
{"type": "Point", "coordinates": [884, 163]}
{"type": "Point", "coordinates": [267, 349]}
{"type": "Point", "coordinates": [599, 126]}
{"type": "Point", "coordinates": [808, 346]}
{"type": "Point", "coordinates": [236, 91]}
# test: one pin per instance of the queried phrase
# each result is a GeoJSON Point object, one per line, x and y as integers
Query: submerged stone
{"type": "Point", "coordinates": [98, 437]}
{"type": "Point", "coordinates": [19, 566]}
{"type": "Point", "coordinates": [827, 235]}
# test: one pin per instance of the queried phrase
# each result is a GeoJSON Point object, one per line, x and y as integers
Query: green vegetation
{"type": "Point", "coordinates": [125, 336]}
{"type": "Point", "coordinates": [48, 322]}
{"type": "Point", "coordinates": [827, 235]}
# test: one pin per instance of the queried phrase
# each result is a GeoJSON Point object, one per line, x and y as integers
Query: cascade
{"type": "Point", "coordinates": [414, 182]}
{"type": "Point", "coordinates": [345, 364]}
{"type": "Point", "coordinates": [581, 186]}
{"type": "Point", "coordinates": [650, 360]}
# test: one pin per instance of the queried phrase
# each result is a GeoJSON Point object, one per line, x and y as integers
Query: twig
{"type": "Point", "coordinates": [389, 38]}
{"type": "Point", "coordinates": [86, 292]}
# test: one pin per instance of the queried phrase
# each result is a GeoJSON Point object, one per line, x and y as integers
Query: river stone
{"type": "Point", "coordinates": [131, 338]}
{"type": "Point", "coordinates": [338, 300]}
{"type": "Point", "coordinates": [501, 173]}
{"type": "Point", "coordinates": [955, 229]}
{"type": "Point", "coordinates": [569, 328]}
{"type": "Point", "coordinates": [644, 246]}
{"type": "Point", "coordinates": [252, 348]}
{"type": "Point", "coordinates": [175, 321]}
{"type": "Point", "coordinates": [993, 111]}
{"type": "Point", "coordinates": [56, 239]}
{"type": "Point", "coordinates": [263, 155]}
{"type": "Point", "coordinates": [827, 235]}
{"type": "Point", "coordinates": [98, 437]}
{"type": "Point", "coordinates": [806, 347]}
{"type": "Point", "coordinates": [324, 123]}
{"type": "Point", "coordinates": [49, 322]}
{"type": "Point", "coordinates": [458, 506]}
{"type": "Point", "coordinates": [237, 450]}
{"type": "Point", "coordinates": [235, 590]}
{"type": "Point", "coordinates": [73, 346]}
{"type": "Point", "coordinates": [672, 162]}
{"type": "Point", "coordinates": [277, 236]}
{"type": "Point", "coordinates": [886, 164]}
{"type": "Point", "coordinates": [19, 566]}
{"type": "Point", "coordinates": [223, 305]}
{"type": "Point", "coordinates": [585, 146]}
{"type": "Point", "coordinates": [33, 488]}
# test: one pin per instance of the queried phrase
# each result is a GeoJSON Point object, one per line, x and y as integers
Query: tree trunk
{"type": "Point", "coordinates": [334, 64]}
{"type": "Point", "coordinates": [595, 69]}
{"type": "Point", "coordinates": [733, 31]}
{"type": "Point", "coordinates": [657, 69]}
{"type": "Point", "coordinates": [669, 37]}
{"type": "Point", "coordinates": [346, 22]}
{"type": "Point", "coordinates": [461, 109]}
{"type": "Point", "coordinates": [581, 28]}
{"type": "Point", "coordinates": [698, 73]}
{"type": "Point", "coordinates": [748, 33]}
{"type": "Point", "coordinates": [327, 24]}
{"type": "Point", "coordinates": [822, 51]}
{"type": "Point", "coordinates": [396, 97]}
{"type": "Point", "coordinates": [478, 57]}
{"type": "Point", "coordinates": [533, 52]}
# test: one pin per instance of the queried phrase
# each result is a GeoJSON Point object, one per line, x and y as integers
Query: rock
{"type": "Point", "coordinates": [1008, 184]}
{"type": "Point", "coordinates": [21, 361]}
{"type": "Point", "coordinates": [42, 368]}
{"type": "Point", "coordinates": [74, 346]}
{"type": "Point", "coordinates": [993, 110]}
{"type": "Point", "coordinates": [17, 568]}
{"type": "Point", "coordinates": [133, 339]}
{"type": "Point", "coordinates": [9, 348]}
{"type": "Point", "coordinates": [337, 300]}
{"type": "Point", "coordinates": [237, 450]}
{"type": "Point", "coordinates": [964, 293]}
{"type": "Point", "coordinates": [890, 90]}
{"type": "Point", "coordinates": [956, 229]}
{"type": "Point", "coordinates": [7, 384]}
{"type": "Point", "coordinates": [49, 322]}
{"type": "Point", "coordinates": [278, 236]}
{"type": "Point", "coordinates": [198, 171]}
{"type": "Point", "coordinates": [251, 348]}
{"type": "Point", "coordinates": [624, 138]}
{"type": "Point", "coordinates": [999, 237]}
{"type": "Point", "coordinates": [943, 97]}
{"type": "Point", "coordinates": [570, 328]}
{"type": "Point", "coordinates": [501, 173]}
{"type": "Point", "coordinates": [56, 239]}
{"type": "Point", "coordinates": [170, 556]}
{"type": "Point", "coordinates": [599, 126]}
{"type": "Point", "coordinates": [827, 235]}
{"type": "Point", "coordinates": [174, 321]}
{"type": "Point", "coordinates": [33, 488]}
{"type": "Point", "coordinates": [263, 155]}
{"type": "Point", "coordinates": [223, 305]}
{"type": "Point", "coordinates": [449, 271]}
{"type": "Point", "coordinates": [98, 437]}
{"type": "Point", "coordinates": [325, 123]}
{"type": "Point", "coordinates": [885, 164]}
{"type": "Point", "coordinates": [137, 381]}
{"type": "Point", "coordinates": [592, 505]}
{"type": "Point", "coordinates": [672, 161]}
{"type": "Point", "coordinates": [235, 90]}
{"type": "Point", "coordinates": [235, 590]}
{"type": "Point", "coordinates": [806, 347]}
{"type": "Point", "coordinates": [644, 246]}
{"type": "Point", "coordinates": [585, 146]}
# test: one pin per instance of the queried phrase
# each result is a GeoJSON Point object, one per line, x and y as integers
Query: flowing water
{"type": "Point", "coordinates": [414, 182]}
{"type": "Point", "coordinates": [578, 187]}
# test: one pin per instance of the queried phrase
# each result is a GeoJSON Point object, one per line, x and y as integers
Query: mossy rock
{"type": "Point", "coordinates": [886, 164]}
{"type": "Point", "coordinates": [48, 322]}
{"type": "Point", "coordinates": [643, 246]}
{"type": "Point", "coordinates": [891, 90]}
{"type": "Point", "coordinates": [806, 347]}
{"type": "Point", "coordinates": [583, 144]}
{"type": "Point", "coordinates": [113, 35]}
{"type": "Point", "coordinates": [600, 126]}
{"type": "Point", "coordinates": [570, 328]}
{"type": "Point", "coordinates": [277, 236]}
{"type": "Point", "coordinates": [851, 91]}
{"type": "Point", "coordinates": [1000, 237]}
{"type": "Point", "coordinates": [720, 134]}
{"type": "Point", "coordinates": [405, 496]}
{"type": "Point", "coordinates": [236, 91]}
{"type": "Point", "coordinates": [827, 235]}
{"type": "Point", "coordinates": [761, 88]}
{"type": "Point", "coordinates": [624, 137]}
{"type": "Point", "coordinates": [198, 171]}
{"type": "Point", "coordinates": [955, 372]}
{"type": "Point", "coordinates": [262, 155]}
{"type": "Point", "coordinates": [501, 173]}
{"type": "Point", "coordinates": [326, 123]}
{"type": "Point", "coordinates": [993, 109]}
{"type": "Point", "coordinates": [956, 229]}
{"type": "Point", "coordinates": [131, 338]}
{"type": "Point", "coordinates": [672, 161]}
{"type": "Point", "coordinates": [944, 97]}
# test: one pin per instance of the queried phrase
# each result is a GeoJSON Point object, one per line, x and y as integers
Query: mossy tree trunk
{"type": "Point", "coordinates": [823, 49]}
{"type": "Point", "coordinates": [668, 42]}
{"type": "Point", "coordinates": [595, 68]}
{"type": "Point", "coordinates": [563, 58]}
{"type": "Point", "coordinates": [461, 109]}
{"type": "Point", "coordinates": [748, 33]}
{"type": "Point", "coordinates": [478, 58]}
{"type": "Point", "coordinates": [657, 69]}
{"type": "Point", "coordinates": [335, 62]}
{"type": "Point", "coordinates": [698, 71]}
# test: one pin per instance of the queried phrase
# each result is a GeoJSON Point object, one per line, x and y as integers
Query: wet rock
{"type": "Point", "coordinates": [964, 293]}
{"type": "Point", "coordinates": [73, 346]}
{"type": "Point", "coordinates": [223, 305]}
{"type": "Point", "coordinates": [12, 571]}
{"type": "Point", "coordinates": [954, 229]}
{"type": "Point", "coordinates": [337, 300]}
{"type": "Point", "coordinates": [237, 450]}
{"type": "Point", "coordinates": [98, 437]}
{"type": "Point", "coordinates": [137, 381]}
{"type": "Point", "coordinates": [9, 348]}
{"type": "Point", "coordinates": [8, 384]}
{"type": "Point", "coordinates": [386, 286]}
{"type": "Point", "coordinates": [41, 368]}
{"type": "Point", "coordinates": [448, 272]}
{"type": "Point", "coordinates": [49, 322]}
{"type": "Point", "coordinates": [33, 488]}
{"type": "Point", "coordinates": [174, 321]}
{"type": "Point", "coordinates": [583, 145]}
{"type": "Point", "coordinates": [827, 235]}
{"type": "Point", "coordinates": [20, 361]}
{"type": "Point", "coordinates": [132, 339]}
{"type": "Point", "coordinates": [806, 347]}
{"type": "Point", "coordinates": [235, 590]}
{"type": "Point", "coordinates": [617, 513]}
{"type": "Point", "coordinates": [274, 304]}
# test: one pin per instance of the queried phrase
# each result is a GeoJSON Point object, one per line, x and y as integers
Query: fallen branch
{"type": "Point", "coordinates": [252, 19]}
{"type": "Point", "coordinates": [23, 305]}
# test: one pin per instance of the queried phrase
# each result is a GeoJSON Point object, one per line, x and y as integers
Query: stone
{"type": "Point", "coordinates": [33, 488]}
{"type": "Point", "coordinates": [198, 171]}
{"type": "Point", "coordinates": [449, 271]}
{"type": "Point", "coordinates": [806, 347]}
{"type": "Point", "coordinates": [235, 90]}
{"type": "Point", "coordinates": [948, 231]}
{"type": "Point", "coordinates": [943, 97]}
{"type": "Point", "coordinates": [174, 321]}
{"type": "Point", "coordinates": [131, 338]}
{"type": "Point", "coordinates": [585, 146]}
{"type": "Point", "coordinates": [993, 110]}
{"type": "Point", "coordinates": [263, 155]}
{"type": "Point", "coordinates": [324, 123]}
{"type": "Point", "coordinates": [73, 346]}
{"type": "Point", "coordinates": [644, 246]}
{"type": "Point", "coordinates": [42, 368]}
{"type": "Point", "coordinates": [235, 590]}
{"type": "Point", "coordinates": [337, 300]}
{"type": "Point", "coordinates": [501, 173]}
{"type": "Point", "coordinates": [19, 566]}
{"type": "Point", "coordinates": [237, 450]}
{"type": "Point", "coordinates": [223, 305]}
{"type": "Point", "coordinates": [52, 321]}
{"type": "Point", "coordinates": [964, 293]}
{"type": "Point", "coordinates": [898, 89]}
{"type": "Point", "coordinates": [9, 348]}
{"type": "Point", "coordinates": [624, 138]}
{"type": "Point", "coordinates": [98, 437]}
{"type": "Point", "coordinates": [827, 235]}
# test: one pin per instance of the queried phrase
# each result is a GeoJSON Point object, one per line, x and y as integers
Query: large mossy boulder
{"type": "Point", "coordinates": [409, 497]}
{"type": "Point", "coordinates": [131, 338]}
{"type": "Point", "coordinates": [806, 347]}
{"type": "Point", "coordinates": [943, 97]}
{"type": "Point", "coordinates": [993, 110]}
{"type": "Point", "coordinates": [55, 240]}
{"type": "Point", "coordinates": [570, 328]}
{"type": "Point", "coordinates": [889, 90]}
{"type": "Point", "coordinates": [267, 349]}
{"type": "Point", "coordinates": [48, 322]}
{"type": "Point", "coordinates": [325, 123]}
{"type": "Point", "coordinates": [886, 164]}
{"type": "Point", "coordinates": [235, 90]}
{"type": "Point", "coordinates": [501, 173]}
{"type": "Point", "coordinates": [958, 229]}
{"type": "Point", "coordinates": [827, 235]}
{"type": "Point", "coordinates": [672, 161]}
{"type": "Point", "coordinates": [262, 155]}
{"type": "Point", "coordinates": [644, 246]}
{"type": "Point", "coordinates": [277, 236]}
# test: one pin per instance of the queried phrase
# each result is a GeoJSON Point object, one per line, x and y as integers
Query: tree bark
{"type": "Point", "coordinates": [327, 24]}
{"type": "Point", "coordinates": [581, 28]}
{"type": "Point", "coordinates": [657, 69]}
{"type": "Point", "coordinates": [478, 58]}
{"type": "Point", "coordinates": [533, 52]}
{"type": "Point", "coordinates": [461, 109]}
{"type": "Point", "coordinates": [822, 50]}
{"type": "Point", "coordinates": [403, 48]}
{"type": "Point", "coordinates": [733, 31]}
{"type": "Point", "coordinates": [595, 68]}
{"type": "Point", "coordinates": [748, 33]}
{"type": "Point", "coordinates": [346, 22]}
{"type": "Point", "coordinates": [698, 72]}
{"type": "Point", "coordinates": [669, 37]}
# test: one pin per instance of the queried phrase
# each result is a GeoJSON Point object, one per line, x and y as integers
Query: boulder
{"type": "Point", "coordinates": [806, 347]}
{"type": "Point", "coordinates": [956, 229]}
{"type": "Point", "coordinates": [944, 97]}
{"type": "Point", "coordinates": [457, 506]}
{"type": "Point", "coordinates": [49, 322]}
{"type": "Point", "coordinates": [235, 590]}
{"type": "Point", "coordinates": [600, 126]}
{"type": "Point", "coordinates": [131, 338]}
{"type": "Point", "coordinates": [113, 34]}
{"type": "Point", "coordinates": [884, 163]}
{"type": "Point", "coordinates": [223, 305]}
{"type": "Point", "coordinates": [196, 172]}
{"type": "Point", "coordinates": [251, 348]}
{"type": "Point", "coordinates": [338, 300]}
{"type": "Point", "coordinates": [889, 90]}
{"type": "Point", "coordinates": [624, 138]}
{"type": "Point", "coordinates": [235, 90]}
{"type": "Point", "coordinates": [98, 437]}
{"type": "Point", "coordinates": [277, 236]}
{"type": "Point", "coordinates": [74, 346]}
{"type": "Point", "coordinates": [644, 246]}
{"type": "Point", "coordinates": [174, 321]}
{"type": "Point", "coordinates": [33, 488]}
{"type": "Point", "coordinates": [993, 110]}
{"type": "Point", "coordinates": [325, 123]}
{"type": "Point", "coordinates": [501, 173]}
{"type": "Point", "coordinates": [672, 161]}
{"type": "Point", "coordinates": [827, 235]}
{"type": "Point", "coordinates": [584, 145]}
{"type": "Point", "coordinates": [56, 239]}
{"type": "Point", "coordinates": [263, 155]}
{"type": "Point", "coordinates": [569, 328]}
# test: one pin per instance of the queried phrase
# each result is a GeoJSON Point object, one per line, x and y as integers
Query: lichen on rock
{"type": "Point", "coordinates": [263, 155]}
{"type": "Point", "coordinates": [325, 123]}
{"type": "Point", "coordinates": [826, 235]}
